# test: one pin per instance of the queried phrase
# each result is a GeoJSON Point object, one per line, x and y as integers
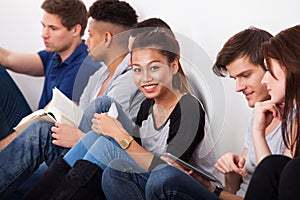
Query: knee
{"type": "Point", "coordinates": [161, 177]}
{"type": "Point", "coordinates": [112, 167]}
{"type": "Point", "coordinates": [273, 162]}
{"type": "Point", "coordinates": [102, 104]}
{"type": "Point", "coordinates": [291, 170]}
{"type": "Point", "coordinates": [38, 129]}
{"type": "Point", "coordinates": [116, 168]}
{"type": "Point", "coordinates": [270, 167]}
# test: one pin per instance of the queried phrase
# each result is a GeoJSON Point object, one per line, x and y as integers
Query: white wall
{"type": "Point", "coordinates": [208, 23]}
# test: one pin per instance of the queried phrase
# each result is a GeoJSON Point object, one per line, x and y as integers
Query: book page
{"type": "Point", "coordinates": [64, 109]}
{"type": "Point", "coordinates": [36, 115]}
{"type": "Point", "coordinates": [60, 109]}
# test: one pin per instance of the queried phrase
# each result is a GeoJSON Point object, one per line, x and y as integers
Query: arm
{"type": "Point", "coordinates": [106, 125]}
{"type": "Point", "coordinates": [224, 195]}
{"type": "Point", "coordinates": [229, 196]}
{"type": "Point", "coordinates": [266, 116]}
{"type": "Point", "coordinates": [233, 167]}
{"type": "Point", "coordinates": [186, 128]}
{"type": "Point", "coordinates": [29, 64]}
{"type": "Point", "coordinates": [232, 182]}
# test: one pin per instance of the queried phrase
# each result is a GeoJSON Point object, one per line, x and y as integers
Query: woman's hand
{"type": "Point", "coordinates": [106, 125]}
{"type": "Point", "coordinates": [264, 113]}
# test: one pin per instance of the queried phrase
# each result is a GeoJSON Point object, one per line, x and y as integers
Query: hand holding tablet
{"type": "Point", "coordinates": [188, 166]}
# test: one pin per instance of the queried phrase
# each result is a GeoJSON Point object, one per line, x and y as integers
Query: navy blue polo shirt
{"type": "Point", "coordinates": [60, 74]}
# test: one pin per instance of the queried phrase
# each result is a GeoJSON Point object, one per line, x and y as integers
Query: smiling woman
{"type": "Point", "coordinates": [277, 176]}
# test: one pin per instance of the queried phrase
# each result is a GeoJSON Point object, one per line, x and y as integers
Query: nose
{"type": "Point", "coordinates": [240, 85]}
{"type": "Point", "coordinates": [265, 78]}
{"type": "Point", "coordinates": [45, 32]}
{"type": "Point", "coordinates": [146, 77]}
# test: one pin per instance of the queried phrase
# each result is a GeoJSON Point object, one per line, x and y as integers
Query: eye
{"type": "Point", "coordinates": [246, 75]}
{"type": "Point", "coordinates": [54, 28]}
{"type": "Point", "coordinates": [154, 68]}
{"type": "Point", "coordinates": [136, 69]}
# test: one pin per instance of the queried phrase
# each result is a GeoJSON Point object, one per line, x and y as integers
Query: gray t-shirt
{"type": "Point", "coordinates": [158, 139]}
{"type": "Point", "coordinates": [121, 88]}
{"type": "Point", "coordinates": [276, 146]}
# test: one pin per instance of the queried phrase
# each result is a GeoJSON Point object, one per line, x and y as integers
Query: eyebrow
{"type": "Point", "coordinates": [51, 25]}
{"type": "Point", "coordinates": [153, 61]}
{"type": "Point", "coordinates": [243, 72]}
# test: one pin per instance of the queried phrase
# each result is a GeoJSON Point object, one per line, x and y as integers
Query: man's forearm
{"type": "Point", "coordinates": [232, 182]}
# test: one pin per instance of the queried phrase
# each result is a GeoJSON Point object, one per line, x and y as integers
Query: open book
{"type": "Point", "coordinates": [60, 109]}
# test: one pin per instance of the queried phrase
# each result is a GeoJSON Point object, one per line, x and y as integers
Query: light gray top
{"type": "Point", "coordinates": [121, 88]}
{"type": "Point", "coordinates": [276, 146]}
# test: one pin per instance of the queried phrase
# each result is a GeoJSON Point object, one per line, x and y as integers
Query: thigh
{"type": "Point", "coordinates": [289, 181]}
{"type": "Point", "coordinates": [123, 177]}
{"type": "Point", "coordinates": [80, 149]}
{"type": "Point", "coordinates": [265, 180]}
{"type": "Point", "coordinates": [168, 182]}
{"type": "Point", "coordinates": [13, 106]}
{"type": "Point", "coordinates": [104, 150]}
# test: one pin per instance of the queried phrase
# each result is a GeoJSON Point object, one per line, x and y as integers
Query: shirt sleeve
{"type": "Point", "coordinates": [186, 129]}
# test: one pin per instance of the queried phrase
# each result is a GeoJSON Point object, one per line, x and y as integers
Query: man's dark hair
{"type": "Point", "coordinates": [246, 43]}
{"type": "Point", "coordinates": [115, 12]}
{"type": "Point", "coordinates": [148, 25]}
{"type": "Point", "coordinates": [71, 12]}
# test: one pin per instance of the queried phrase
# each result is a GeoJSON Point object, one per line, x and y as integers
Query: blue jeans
{"type": "Point", "coordinates": [97, 148]}
{"type": "Point", "coordinates": [164, 182]}
{"type": "Point", "coordinates": [13, 106]}
{"type": "Point", "coordinates": [34, 145]}
{"type": "Point", "coordinates": [24, 155]}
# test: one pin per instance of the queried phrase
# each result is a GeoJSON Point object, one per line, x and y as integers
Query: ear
{"type": "Point", "coordinates": [175, 66]}
{"type": "Point", "coordinates": [76, 29]}
{"type": "Point", "coordinates": [108, 38]}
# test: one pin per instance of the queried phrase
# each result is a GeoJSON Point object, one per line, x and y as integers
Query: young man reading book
{"type": "Point", "coordinates": [47, 141]}
{"type": "Point", "coordinates": [63, 25]}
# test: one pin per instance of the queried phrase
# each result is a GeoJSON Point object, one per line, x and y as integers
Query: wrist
{"type": "Point", "coordinates": [217, 191]}
{"type": "Point", "coordinates": [121, 136]}
{"type": "Point", "coordinates": [211, 188]}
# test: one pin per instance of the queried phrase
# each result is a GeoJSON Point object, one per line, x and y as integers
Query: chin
{"type": "Point", "coordinates": [251, 104]}
{"type": "Point", "coordinates": [48, 49]}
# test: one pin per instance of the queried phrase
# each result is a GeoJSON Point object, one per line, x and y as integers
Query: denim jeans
{"type": "Point", "coordinates": [34, 145]}
{"type": "Point", "coordinates": [164, 182]}
{"type": "Point", "coordinates": [24, 155]}
{"type": "Point", "coordinates": [97, 148]}
{"type": "Point", "coordinates": [122, 178]}
{"type": "Point", "coordinates": [13, 106]}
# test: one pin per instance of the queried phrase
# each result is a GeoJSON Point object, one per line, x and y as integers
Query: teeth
{"type": "Point", "coordinates": [149, 87]}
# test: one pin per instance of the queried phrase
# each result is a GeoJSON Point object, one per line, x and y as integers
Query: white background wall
{"type": "Point", "coordinates": [207, 23]}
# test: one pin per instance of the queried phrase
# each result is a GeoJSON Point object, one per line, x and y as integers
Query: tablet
{"type": "Point", "coordinates": [188, 166]}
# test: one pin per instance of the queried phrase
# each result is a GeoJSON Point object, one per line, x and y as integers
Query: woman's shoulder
{"type": "Point", "coordinates": [189, 99]}
{"type": "Point", "coordinates": [189, 105]}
